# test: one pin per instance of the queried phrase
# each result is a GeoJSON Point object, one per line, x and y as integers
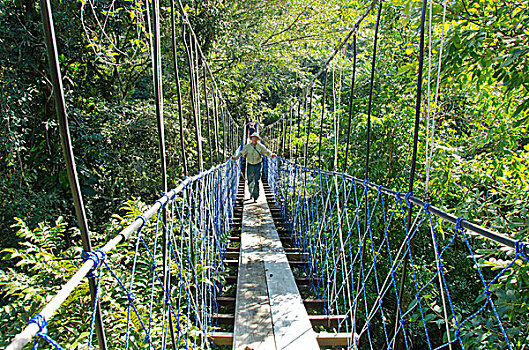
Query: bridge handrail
{"type": "Point", "coordinates": [29, 332]}
{"type": "Point", "coordinates": [470, 226]}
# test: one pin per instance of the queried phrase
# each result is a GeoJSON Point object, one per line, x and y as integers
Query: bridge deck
{"type": "Point", "coordinates": [269, 312]}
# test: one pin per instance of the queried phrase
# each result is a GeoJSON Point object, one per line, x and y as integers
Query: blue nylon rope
{"type": "Point", "coordinates": [315, 208]}
{"type": "Point", "coordinates": [323, 213]}
{"type": "Point", "coordinates": [98, 257]}
{"type": "Point", "coordinates": [40, 321]}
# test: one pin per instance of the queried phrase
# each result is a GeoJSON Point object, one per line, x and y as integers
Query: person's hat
{"type": "Point", "coordinates": [255, 135]}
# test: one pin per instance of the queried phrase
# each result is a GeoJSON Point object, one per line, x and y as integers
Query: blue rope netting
{"type": "Point", "coordinates": [130, 283]}
{"type": "Point", "coordinates": [357, 241]}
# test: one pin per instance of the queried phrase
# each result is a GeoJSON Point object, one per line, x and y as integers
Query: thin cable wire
{"type": "Point", "coordinates": [351, 98]}
{"type": "Point", "coordinates": [431, 137]}
{"type": "Point", "coordinates": [178, 89]}
{"type": "Point", "coordinates": [324, 93]}
{"type": "Point", "coordinates": [413, 162]}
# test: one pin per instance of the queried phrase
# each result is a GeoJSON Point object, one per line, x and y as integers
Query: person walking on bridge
{"type": "Point", "coordinates": [252, 128]}
{"type": "Point", "coordinates": [254, 152]}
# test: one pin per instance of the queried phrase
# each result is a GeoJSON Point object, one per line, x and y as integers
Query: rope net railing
{"type": "Point", "coordinates": [139, 309]}
{"type": "Point", "coordinates": [355, 238]}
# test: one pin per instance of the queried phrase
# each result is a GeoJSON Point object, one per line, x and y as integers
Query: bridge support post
{"type": "Point", "coordinates": [66, 142]}
{"type": "Point", "coordinates": [396, 343]}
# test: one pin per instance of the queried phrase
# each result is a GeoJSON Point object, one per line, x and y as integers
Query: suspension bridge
{"type": "Point", "coordinates": [323, 259]}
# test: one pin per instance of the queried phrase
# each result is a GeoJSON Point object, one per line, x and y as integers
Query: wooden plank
{"type": "Point", "coordinates": [309, 303]}
{"type": "Point", "coordinates": [231, 262]}
{"type": "Point", "coordinates": [324, 339]}
{"type": "Point", "coordinates": [221, 338]}
{"type": "Point", "coordinates": [226, 301]}
{"type": "Point", "coordinates": [307, 281]}
{"type": "Point", "coordinates": [253, 320]}
{"type": "Point", "coordinates": [231, 255]}
{"type": "Point", "coordinates": [334, 339]}
{"type": "Point", "coordinates": [223, 319]}
{"type": "Point", "coordinates": [329, 321]}
{"type": "Point", "coordinates": [292, 327]}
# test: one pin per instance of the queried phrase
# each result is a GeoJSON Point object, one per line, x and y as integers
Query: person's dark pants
{"type": "Point", "coordinates": [253, 175]}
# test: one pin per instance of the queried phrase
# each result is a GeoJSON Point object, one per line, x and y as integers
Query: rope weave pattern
{"type": "Point", "coordinates": [130, 282]}
{"type": "Point", "coordinates": [355, 239]}
{"type": "Point", "coordinates": [357, 271]}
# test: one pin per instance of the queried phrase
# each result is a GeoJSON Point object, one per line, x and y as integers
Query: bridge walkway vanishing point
{"type": "Point", "coordinates": [269, 311]}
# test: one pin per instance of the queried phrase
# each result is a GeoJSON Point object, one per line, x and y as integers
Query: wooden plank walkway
{"type": "Point", "coordinates": [253, 320]}
{"type": "Point", "coordinates": [269, 311]}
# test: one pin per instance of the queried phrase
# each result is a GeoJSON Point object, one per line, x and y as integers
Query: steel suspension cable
{"type": "Point", "coordinates": [298, 121]}
{"type": "Point", "coordinates": [224, 136]}
{"type": "Point", "coordinates": [178, 89]}
{"type": "Point", "coordinates": [430, 147]}
{"type": "Point", "coordinates": [158, 93]}
{"type": "Point", "coordinates": [47, 312]}
{"type": "Point", "coordinates": [414, 155]}
{"type": "Point", "coordinates": [158, 96]}
{"type": "Point", "coordinates": [290, 133]}
{"type": "Point", "coordinates": [193, 43]}
{"type": "Point", "coordinates": [370, 101]}
{"type": "Point", "coordinates": [285, 127]}
{"type": "Point", "coordinates": [368, 136]}
{"type": "Point", "coordinates": [351, 97]}
{"type": "Point", "coordinates": [337, 118]}
{"type": "Point", "coordinates": [208, 128]}
{"type": "Point", "coordinates": [216, 126]}
{"type": "Point", "coordinates": [192, 87]}
{"type": "Point", "coordinates": [308, 126]}
{"type": "Point", "coordinates": [429, 150]}
{"type": "Point", "coordinates": [322, 115]}
{"type": "Point", "coordinates": [69, 158]}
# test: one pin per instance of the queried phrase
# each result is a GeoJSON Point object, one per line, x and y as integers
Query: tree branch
{"type": "Point", "coordinates": [284, 30]}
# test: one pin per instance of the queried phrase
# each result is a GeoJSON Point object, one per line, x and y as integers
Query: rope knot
{"type": "Point", "coordinates": [162, 205]}
{"type": "Point", "coordinates": [98, 257]}
{"type": "Point", "coordinates": [426, 206]}
{"type": "Point", "coordinates": [407, 199]}
{"type": "Point", "coordinates": [365, 182]}
{"type": "Point", "coordinates": [487, 292]}
{"type": "Point", "coordinates": [130, 297]}
{"type": "Point", "coordinates": [458, 224]}
{"type": "Point", "coordinates": [147, 339]}
{"type": "Point", "coordinates": [142, 218]}
{"type": "Point", "coordinates": [41, 322]}
{"type": "Point", "coordinates": [522, 249]}
{"type": "Point", "coordinates": [153, 266]}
